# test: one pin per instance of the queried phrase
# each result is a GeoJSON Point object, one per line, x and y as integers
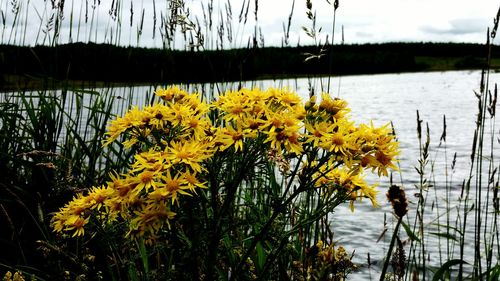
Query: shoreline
{"type": "Point", "coordinates": [17, 83]}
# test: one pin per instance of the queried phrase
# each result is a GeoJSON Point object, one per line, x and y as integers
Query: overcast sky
{"type": "Point", "coordinates": [363, 21]}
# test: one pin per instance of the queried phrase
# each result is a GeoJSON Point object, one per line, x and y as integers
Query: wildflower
{"type": "Point", "coordinates": [256, 96]}
{"type": "Point", "coordinates": [176, 139]}
{"type": "Point", "coordinates": [196, 126]}
{"type": "Point", "coordinates": [341, 140]}
{"type": "Point", "coordinates": [175, 185]}
{"type": "Point", "coordinates": [288, 137]}
{"type": "Point", "coordinates": [336, 108]}
{"type": "Point", "coordinates": [146, 180]}
{"type": "Point", "coordinates": [228, 136]}
{"type": "Point", "coordinates": [385, 159]}
{"type": "Point", "coordinates": [235, 105]}
{"type": "Point", "coordinates": [348, 180]}
{"type": "Point", "coordinates": [180, 113]}
{"type": "Point", "coordinates": [190, 153]}
{"type": "Point", "coordinates": [151, 160]}
{"type": "Point", "coordinates": [193, 181]}
{"type": "Point", "coordinates": [133, 118]}
{"type": "Point", "coordinates": [17, 276]}
{"type": "Point", "coordinates": [159, 115]}
{"type": "Point", "coordinates": [319, 133]}
{"type": "Point", "coordinates": [150, 219]}
{"type": "Point", "coordinates": [285, 97]}
{"type": "Point", "coordinates": [311, 104]}
{"type": "Point", "coordinates": [98, 195]}
{"type": "Point", "coordinates": [194, 102]}
{"type": "Point", "coordinates": [253, 125]}
{"type": "Point", "coordinates": [76, 224]}
{"type": "Point", "coordinates": [171, 93]}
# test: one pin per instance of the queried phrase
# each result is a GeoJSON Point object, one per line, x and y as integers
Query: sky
{"type": "Point", "coordinates": [359, 21]}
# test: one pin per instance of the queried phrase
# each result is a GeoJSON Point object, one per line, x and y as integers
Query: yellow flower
{"type": "Point", "coordinates": [180, 113]}
{"type": "Point", "coordinates": [194, 102]}
{"type": "Point", "coordinates": [384, 159]}
{"type": "Point", "coordinates": [176, 185]}
{"type": "Point", "coordinates": [150, 219]}
{"type": "Point", "coordinates": [133, 118]}
{"type": "Point", "coordinates": [311, 104]}
{"type": "Point", "coordinates": [191, 153]}
{"type": "Point", "coordinates": [288, 137]}
{"type": "Point", "coordinates": [228, 136]}
{"type": "Point", "coordinates": [285, 97]}
{"type": "Point", "coordinates": [76, 224]}
{"type": "Point", "coordinates": [17, 276]}
{"type": "Point", "coordinates": [159, 115]}
{"type": "Point", "coordinates": [177, 137]}
{"type": "Point", "coordinates": [146, 180]}
{"type": "Point", "coordinates": [98, 195]}
{"type": "Point", "coordinates": [252, 126]}
{"type": "Point", "coordinates": [319, 133]}
{"type": "Point", "coordinates": [336, 107]}
{"type": "Point", "coordinates": [235, 106]}
{"type": "Point", "coordinates": [340, 140]}
{"type": "Point", "coordinates": [349, 180]}
{"type": "Point", "coordinates": [151, 160]}
{"type": "Point", "coordinates": [193, 181]}
{"type": "Point", "coordinates": [196, 127]}
{"type": "Point", "coordinates": [171, 93]}
{"type": "Point", "coordinates": [256, 96]}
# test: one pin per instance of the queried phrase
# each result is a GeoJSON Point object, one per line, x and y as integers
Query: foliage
{"type": "Point", "coordinates": [51, 146]}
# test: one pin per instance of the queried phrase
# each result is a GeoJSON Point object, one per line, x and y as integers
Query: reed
{"type": "Point", "coordinates": [475, 229]}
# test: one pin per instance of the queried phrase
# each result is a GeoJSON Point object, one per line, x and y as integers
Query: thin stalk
{"type": "Point", "coordinates": [330, 63]}
{"type": "Point", "coordinates": [389, 251]}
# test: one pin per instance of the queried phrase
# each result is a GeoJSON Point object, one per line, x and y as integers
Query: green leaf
{"type": "Point", "coordinates": [494, 273]}
{"type": "Point", "coordinates": [449, 227]}
{"type": "Point", "coordinates": [144, 255]}
{"type": "Point", "coordinates": [410, 233]}
{"type": "Point", "coordinates": [444, 235]}
{"type": "Point", "coordinates": [229, 248]}
{"type": "Point", "coordinates": [261, 256]}
{"type": "Point", "coordinates": [445, 268]}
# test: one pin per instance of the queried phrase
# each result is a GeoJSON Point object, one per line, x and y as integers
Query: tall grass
{"type": "Point", "coordinates": [171, 24]}
{"type": "Point", "coordinates": [51, 148]}
{"type": "Point", "coordinates": [462, 227]}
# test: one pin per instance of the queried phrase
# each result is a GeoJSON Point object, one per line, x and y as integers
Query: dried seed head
{"type": "Point", "coordinates": [396, 195]}
{"type": "Point", "coordinates": [398, 260]}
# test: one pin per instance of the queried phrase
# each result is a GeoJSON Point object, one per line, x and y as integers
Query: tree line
{"type": "Point", "coordinates": [104, 62]}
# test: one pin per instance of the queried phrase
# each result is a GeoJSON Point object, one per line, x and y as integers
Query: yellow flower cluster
{"type": "Point", "coordinates": [351, 149]}
{"type": "Point", "coordinates": [17, 276]}
{"type": "Point", "coordinates": [177, 138]}
{"type": "Point", "coordinates": [174, 138]}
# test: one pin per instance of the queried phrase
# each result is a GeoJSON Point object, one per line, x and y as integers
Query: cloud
{"type": "Point", "coordinates": [458, 27]}
{"type": "Point", "coordinates": [363, 34]}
